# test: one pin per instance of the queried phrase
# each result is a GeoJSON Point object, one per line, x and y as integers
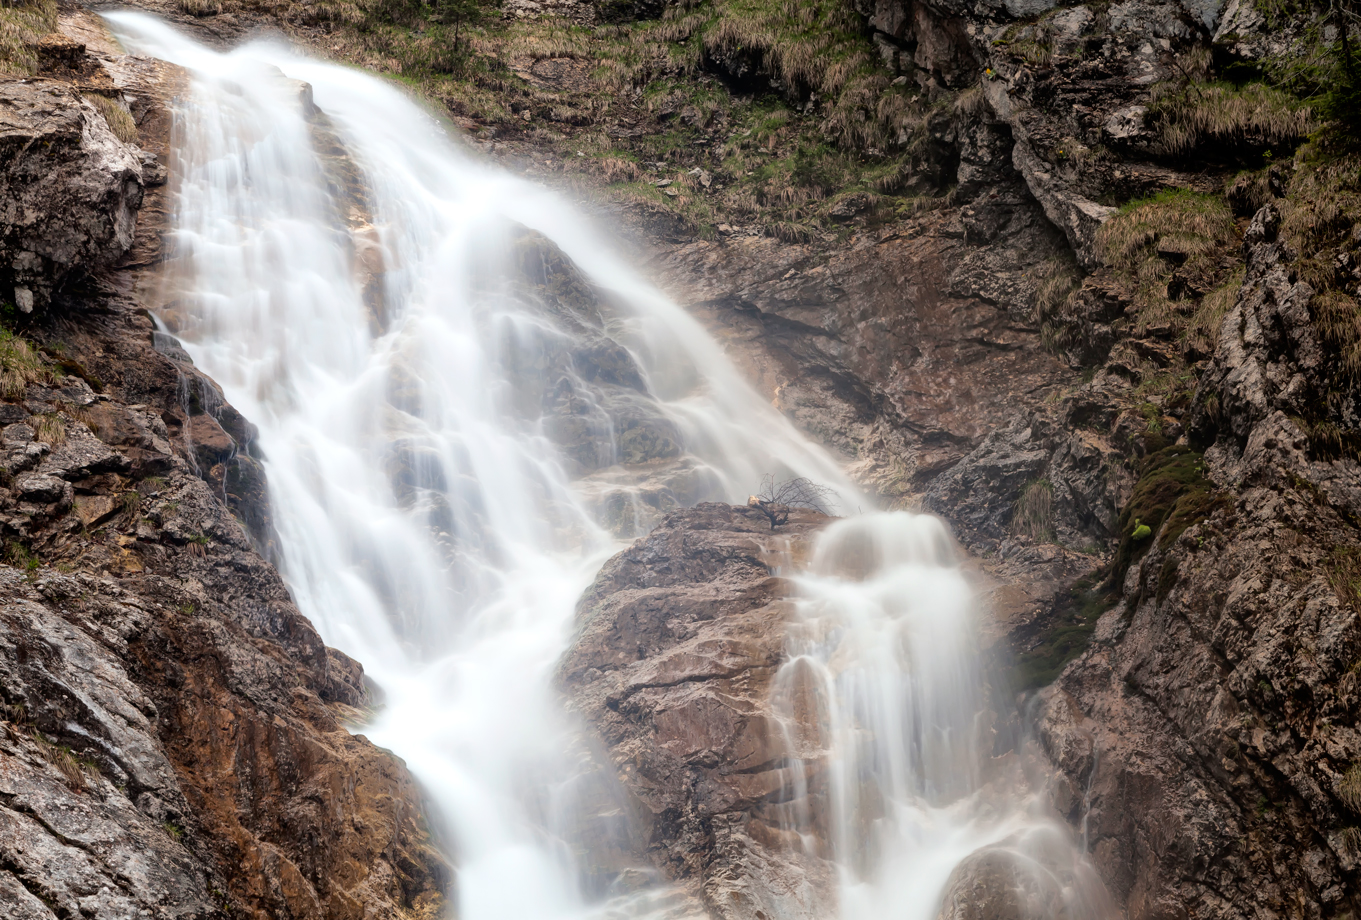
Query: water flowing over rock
{"type": "Point", "coordinates": [174, 738]}
{"type": "Point", "coordinates": [806, 745]}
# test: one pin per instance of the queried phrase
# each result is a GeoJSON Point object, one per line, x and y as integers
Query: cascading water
{"type": "Point", "coordinates": [464, 402]}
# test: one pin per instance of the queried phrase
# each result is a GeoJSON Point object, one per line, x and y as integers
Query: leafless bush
{"type": "Point", "coordinates": [777, 500]}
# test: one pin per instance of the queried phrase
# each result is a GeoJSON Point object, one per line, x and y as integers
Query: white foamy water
{"type": "Point", "coordinates": [458, 429]}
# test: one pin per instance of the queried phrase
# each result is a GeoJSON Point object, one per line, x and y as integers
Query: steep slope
{"type": "Point", "coordinates": [174, 730]}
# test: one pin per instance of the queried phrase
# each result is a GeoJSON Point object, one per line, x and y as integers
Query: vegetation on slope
{"type": "Point", "coordinates": [21, 26]}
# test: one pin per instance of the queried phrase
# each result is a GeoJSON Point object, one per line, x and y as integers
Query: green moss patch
{"type": "Point", "coordinates": [1171, 495]}
{"type": "Point", "coordinates": [1065, 636]}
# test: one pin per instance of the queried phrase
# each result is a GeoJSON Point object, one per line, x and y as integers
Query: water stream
{"type": "Point", "coordinates": [466, 401]}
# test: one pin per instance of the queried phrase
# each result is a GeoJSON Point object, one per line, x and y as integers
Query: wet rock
{"type": "Point", "coordinates": [997, 884]}
{"type": "Point", "coordinates": [677, 641]}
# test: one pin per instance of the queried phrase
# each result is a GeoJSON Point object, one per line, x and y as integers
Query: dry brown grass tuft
{"type": "Point", "coordinates": [21, 25]}
{"type": "Point", "coordinates": [76, 772]}
{"type": "Point", "coordinates": [1176, 221]}
{"type": "Point", "coordinates": [20, 365]}
{"type": "Point", "coordinates": [1033, 515]}
{"type": "Point", "coordinates": [200, 7]}
{"type": "Point", "coordinates": [1177, 250]}
{"type": "Point", "coordinates": [50, 428]}
{"type": "Point", "coordinates": [1349, 788]}
{"type": "Point", "coordinates": [118, 117]}
{"type": "Point", "coordinates": [617, 169]}
{"type": "Point", "coordinates": [1202, 332]}
{"type": "Point", "coordinates": [1254, 116]}
{"type": "Point", "coordinates": [1055, 281]}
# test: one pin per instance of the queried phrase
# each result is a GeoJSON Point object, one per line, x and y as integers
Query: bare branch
{"type": "Point", "coordinates": [777, 499]}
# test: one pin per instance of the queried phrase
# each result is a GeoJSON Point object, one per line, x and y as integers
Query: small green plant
{"type": "Point", "coordinates": [173, 829]}
{"type": "Point", "coordinates": [131, 503]}
{"type": "Point", "coordinates": [21, 557]}
{"type": "Point", "coordinates": [1140, 531]}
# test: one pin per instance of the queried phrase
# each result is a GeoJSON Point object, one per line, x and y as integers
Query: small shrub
{"type": "Point", "coordinates": [777, 499]}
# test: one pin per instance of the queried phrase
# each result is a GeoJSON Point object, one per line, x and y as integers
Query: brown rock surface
{"type": "Point", "coordinates": [678, 640]}
{"type": "Point", "coordinates": [174, 739]}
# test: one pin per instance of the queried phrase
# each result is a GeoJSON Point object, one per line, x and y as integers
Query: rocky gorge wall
{"type": "Point", "coordinates": [174, 731]}
{"type": "Point", "coordinates": [1107, 289]}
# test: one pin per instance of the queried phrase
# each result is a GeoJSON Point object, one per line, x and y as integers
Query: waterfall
{"type": "Point", "coordinates": [466, 401]}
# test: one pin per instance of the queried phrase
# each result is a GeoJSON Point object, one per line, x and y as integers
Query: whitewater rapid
{"type": "Point", "coordinates": [447, 472]}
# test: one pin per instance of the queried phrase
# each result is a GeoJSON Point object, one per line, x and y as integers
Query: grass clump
{"type": "Point", "coordinates": [20, 365]}
{"type": "Point", "coordinates": [50, 428]}
{"type": "Point", "coordinates": [1343, 569]}
{"type": "Point", "coordinates": [1174, 249]}
{"type": "Point", "coordinates": [21, 557]}
{"type": "Point", "coordinates": [1228, 119]}
{"type": "Point", "coordinates": [76, 771]}
{"type": "Point", "coordinates": [21, 25]}
{"type": "Point", "coordinates": [1349, 788]}
{"type": "Point", "coordinates": [1033, 514]}
{"type": "Point", "coordinates": [117, 116]}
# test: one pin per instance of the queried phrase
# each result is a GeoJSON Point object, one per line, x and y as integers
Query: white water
{"type": "Point", "coordinates": [444, 456]}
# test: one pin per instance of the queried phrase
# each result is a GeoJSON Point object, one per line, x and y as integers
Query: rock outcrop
{"type": "Point", "coordinates": [679, 638]}
{"type": "Point", "coordinates": [69, 190]}
{"type": "Point", "coordinates": [174, 735]}
{"type": "Point", "coordinates": [1214, 715]}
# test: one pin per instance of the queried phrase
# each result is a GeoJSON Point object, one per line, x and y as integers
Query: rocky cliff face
{"type": "Point", "coordinates": [1069, 285]}
{"type": "Point", "coordinates": [174, 740]}
{"type": "Point", "coordinates": [1189, 448]}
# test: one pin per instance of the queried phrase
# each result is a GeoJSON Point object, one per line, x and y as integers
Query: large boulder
{"type": "Point", "coordinates": [69, 190]}
{"type": "Point", "coordinates": [678, 641]}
